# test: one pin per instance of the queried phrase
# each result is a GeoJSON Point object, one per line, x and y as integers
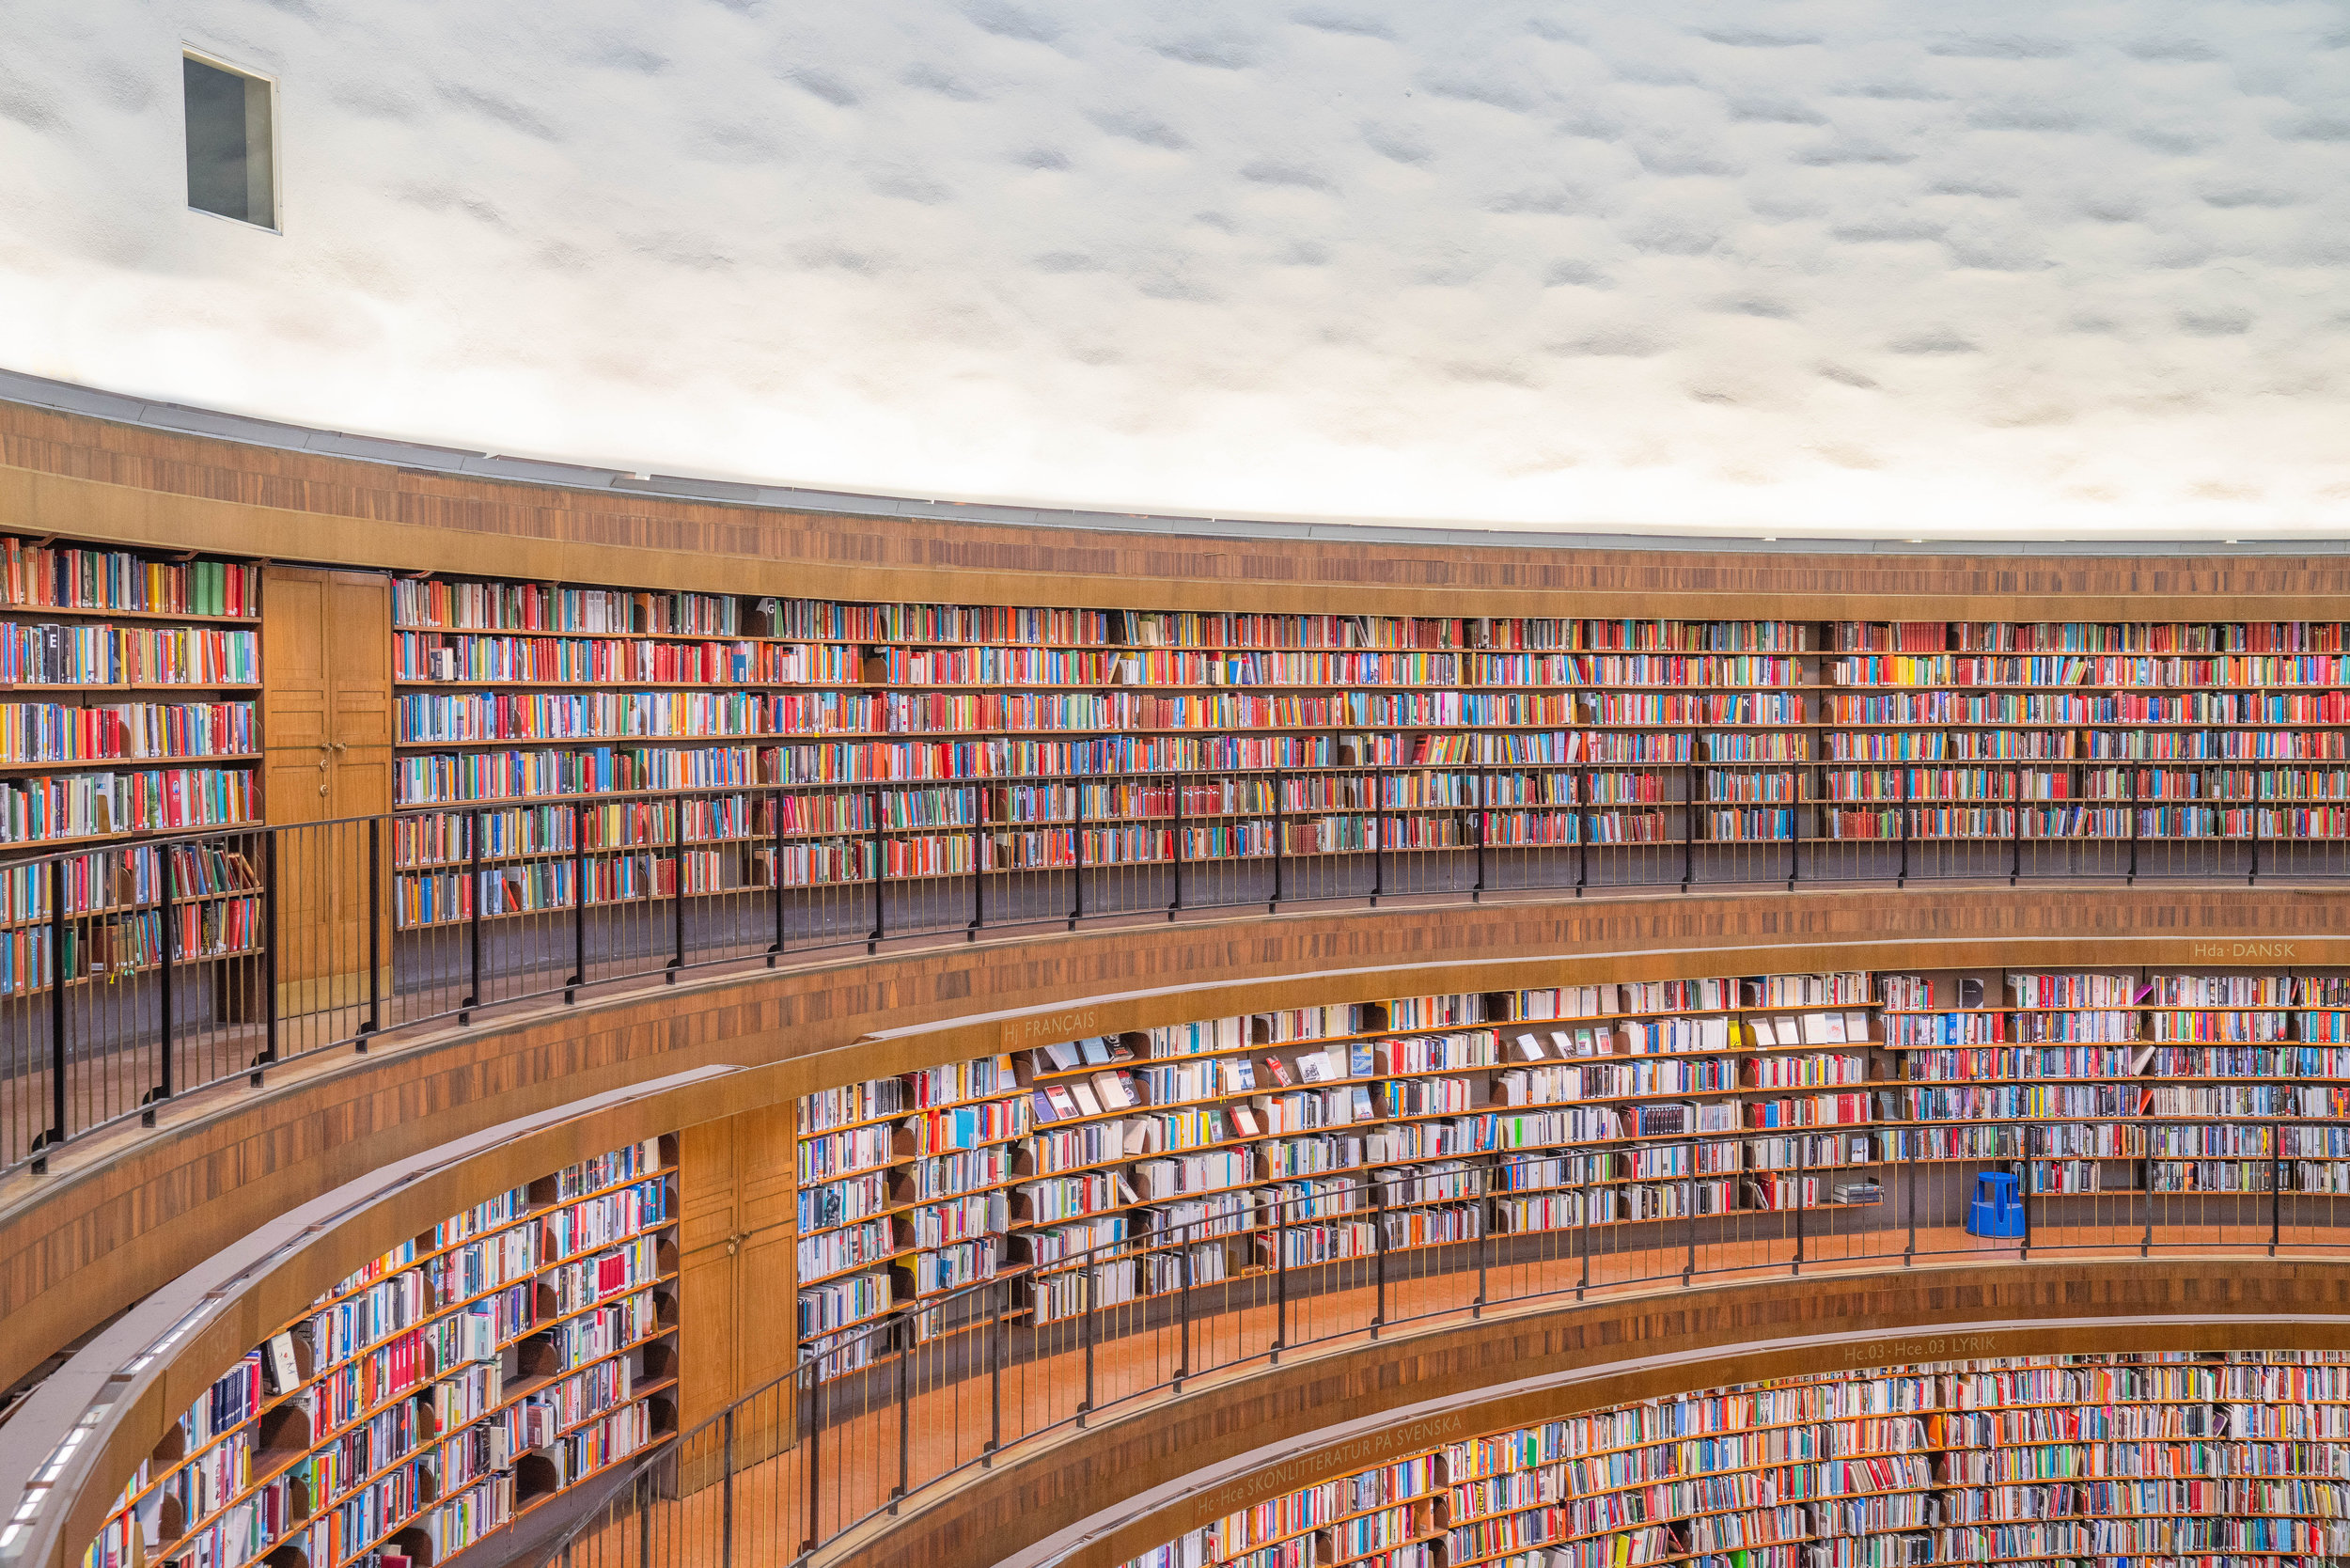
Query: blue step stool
{"type": "Point", "coordinates": [1998, 1208]}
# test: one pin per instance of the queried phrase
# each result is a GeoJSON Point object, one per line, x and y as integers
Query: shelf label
{"type": "Point", "coordinates": [1045, 1028]}
{"type": "Point", "coordinates": [2241, 950]}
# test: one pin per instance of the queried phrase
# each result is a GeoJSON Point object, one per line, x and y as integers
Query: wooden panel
{"type": "Point", "coordinates": [327, 729]}
{"type": "Point", "coordinates": [89, 478]}
{"type": "Point", "coordinates": [738, 1226]}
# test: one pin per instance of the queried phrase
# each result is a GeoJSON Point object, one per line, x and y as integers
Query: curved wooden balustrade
{"type": "Point", "coordinates": [1158, 1459]}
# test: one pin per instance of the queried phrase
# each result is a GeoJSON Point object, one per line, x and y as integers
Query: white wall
{"type": "Point", "coordinates": [1907, 266]}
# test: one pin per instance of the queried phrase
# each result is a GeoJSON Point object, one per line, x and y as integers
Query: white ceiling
{"type": "Point", "coordinates": [1904, 267]}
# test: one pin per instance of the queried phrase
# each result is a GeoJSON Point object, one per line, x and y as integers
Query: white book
{"type": "Point", "coordinates": [1313, 1067]}
{"type": "Point", "coordinates": [1245, 1120]}
{"type": "Point", "coordinates": [1561, 1046]}
{"type": "Point", "coordinates": [1855, 1027]}
{"type": "Point", "coordinates": [1064, 1056]}
{"type": "Point", "coordinates": [1082, 1093]}
{"type": "Point", "coordinates": [1765, 1032]}
{"type": "Point", "coordinates": [1529, 1048]}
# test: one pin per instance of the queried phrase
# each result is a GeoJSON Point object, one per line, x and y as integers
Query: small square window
{"type": "Point", "coordinates": [232, 166]}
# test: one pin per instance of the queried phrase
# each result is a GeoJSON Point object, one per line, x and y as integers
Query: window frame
{"type": "Point", "coordinates": [204, 56]}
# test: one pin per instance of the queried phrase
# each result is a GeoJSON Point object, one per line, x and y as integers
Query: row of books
{"type": "Point", "coordinates": [69, 577]}
{"type": "Point", "coordinates": [48, 654]}
{"type": "Point", "coordinates": [537, 606]}
{"type": "Point", "coordinates": [52, 732]}
{"type": "Point", "coordinates": [111, 879]}
{"type": "Point", "coordinates": [2011, 708]}
{"type": "Point", "coordinates": [98, 804]}
{"type": "Point", "coordinates": [428, 719]}
{"type": "Point", "coordinates": [2075, 637]}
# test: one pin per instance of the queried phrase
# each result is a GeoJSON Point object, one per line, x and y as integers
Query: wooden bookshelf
{"type": "Point", "coordinates": [1634, 1105]}
{"type": "Point", "coordinates": [2043, 1460]}
{"type": "Point", "coordinates": [472, 1376]}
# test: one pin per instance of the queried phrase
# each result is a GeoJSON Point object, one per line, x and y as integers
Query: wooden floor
{"type": "Point", "coordinates": [958, 1398]}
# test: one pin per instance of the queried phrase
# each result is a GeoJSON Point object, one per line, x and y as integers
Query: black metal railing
{"type": "Point", "coordinates": [877, 1413]}
{"type": "Point", "coordinates": [132, 974]}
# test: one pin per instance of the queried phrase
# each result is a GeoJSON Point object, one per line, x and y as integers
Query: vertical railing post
{"type": "Point", "coordinates": [1378, 1255]}
{"type": "Point", "coordinates": [2252, 812]}
{"type": "Point", "coordinates": [1077, 892]}
{"type": "Point", "coordinates": [1280, 1286]}
{"type": "Point", "coordinates": [904, 1336]}
{"type": "Point", "coordinates": [269, 950]}
{"type": "Point", "coordinates": [815, 1452]}
{"type": "Point", "coordinates": [2023, 1252]}
{"type": "Point", "coordinates": [2146, 1185]}
{"type": "Point", "coordinates": [999, 1337]}
{"type": "Point", "coordinates": [1803, 1176]}
{"type": "Point", "coordinates": [1689, 825]}
{"type": "Point", "coordinates": [2131, 774]}
{"type": "Point", "coordinates": [375, 931]}
{"type": "Point", "coordinates": [474, 901]}
{"type": "Point", "coordinates": [1085, 1278]}
{"type": "Point", "coordinates": [1378, 783]}
{"type": "Point", "coordinates": [1689, 1202]}
{"type": "Point", "coordinates": [979, 862]}
{"type": "Point", "coordinates": [2275, 1185]}
{"type": "Point", "coordinates": [875, 848]}
{"type": "Point", "coordinates": [726, 1520]}
{"type": "Point", "coordinates": [167, 885]}
{"type": "Point", "coordinates": [1280, 832]}
{"type": "Point", "coordinates": [1581, 784]}
{"type": "Point", "coordinates": [1476, 781]}
{"type": "Point", "coordinates": [1911, 1137]}
{"type": "Point", "coordinates": [1176, 848]}
{"type": "Point", "coordinates": [579, 900]}
{"type": "Point", "coordinates": [1901, 878]}
{"type": "Point", "coordinates": [2015, 827]}
{"type": "Point", "coordinates": [1484, 1223]}
{"type": "Point", "coordinates": [774, 852]}
{"type": "Point", "coordinates": [56, 1013]}
{"type": "Point", "coordinates": [1182, 1312]}
{"type": "Point", "coordinates": [677, 889]}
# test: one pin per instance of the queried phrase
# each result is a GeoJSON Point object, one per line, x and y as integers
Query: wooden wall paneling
{"type": "Point", "coordinates": [327, 731]}
{"type": "Point", "coordinates": [86, 478]}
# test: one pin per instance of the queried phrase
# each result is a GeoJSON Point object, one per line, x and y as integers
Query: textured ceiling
{"type": "Point", "coordinates": [1897, 267]}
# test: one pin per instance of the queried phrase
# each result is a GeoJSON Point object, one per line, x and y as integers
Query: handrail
{"type": "Point", "coordinates": [879, 1415]}
{"type": "Point", "coordinates": [304, 938]}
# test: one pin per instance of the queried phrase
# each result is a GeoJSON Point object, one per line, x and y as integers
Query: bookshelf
{"type": "Point", "coordinates": [440, 1393]}
{"type": "Point", "coordinates": [132, 683]}
{"type": "Point", "coordinates": [2044, 1461]}
{"type": "Point", "coordinates": [1225, 1147]}
{"type": "Point", "coordinates": [993, 728]}
{"type": "Point", "coordinates": [515, 693]}
{"type": "Point", "coordinates": [1286, 1139]}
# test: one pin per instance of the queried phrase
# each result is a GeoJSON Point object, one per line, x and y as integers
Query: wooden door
{"type": "Point", "coordinates": [737, 1233]}
{"type": "Point", "coordinates": [326, 649]}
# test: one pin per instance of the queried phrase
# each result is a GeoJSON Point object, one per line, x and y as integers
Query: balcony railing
{"type": "Point", "coordinates": [137, 972]}
{"type": "Point", "coordinates": [878, 1414]}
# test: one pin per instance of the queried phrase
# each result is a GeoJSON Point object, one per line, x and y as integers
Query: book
{"type": "Point", "coordinates": [1363, 1111]}
{"type": "Point", "coordinates": [1043, 1106]}
{"type": "Point", "coordinates": [1245, 1122]}
{"type": "Point", "coordinates": [1064, 1104]}
{"type": "Point", "coordinates": [1855, 1029]}
{"type": "Point", "coordinates": [1064, 1056]}
{"type": "Point", "coordinates": [1313, 1067]}
{"type": "Point", "coordinates": [1969, 993]}
{"type": "Point", "coordinates": [1278, 1072]}
{"type": "Point", "coordinates": [1529, 1048]}
{"type": "Point", "coordinates": [1088, 1103]}
{"type": "Point", "coordinates": [1241, 1074]}
{"type": "Point", "coordinates": [284, 1369]}
{"type": "Point", "coordinates": [1095, 1051]}
{"type": "Point", "coordinates": [1358, 1060]}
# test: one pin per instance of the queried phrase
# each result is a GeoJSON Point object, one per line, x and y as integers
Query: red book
{"type": "Point", "coordinates": [611, 1273]}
